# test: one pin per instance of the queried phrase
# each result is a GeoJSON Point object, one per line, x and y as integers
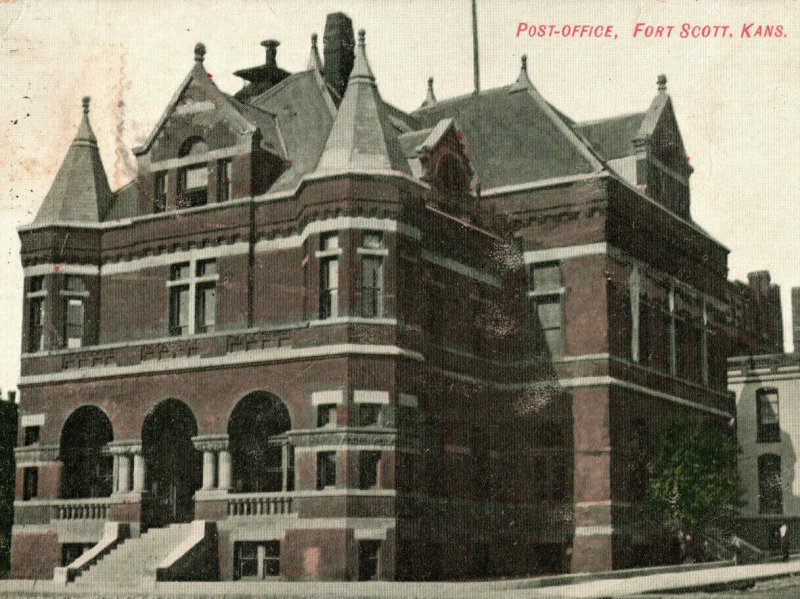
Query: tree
{"type": "Point", "coordinates": [694, 484]}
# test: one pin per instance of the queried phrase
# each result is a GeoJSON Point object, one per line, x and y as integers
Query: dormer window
{"type": "Point", "coordinates": [193, 179]}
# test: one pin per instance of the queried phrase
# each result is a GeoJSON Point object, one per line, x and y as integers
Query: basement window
{"type": "Point", "coordinates": [257, 560]}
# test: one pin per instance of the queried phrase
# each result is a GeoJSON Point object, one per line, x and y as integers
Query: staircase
{"type": "Point", "coordinates": [134, 561]}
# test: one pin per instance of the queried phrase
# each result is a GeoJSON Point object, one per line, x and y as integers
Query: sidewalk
{"type": "Point", "coordinates": [696, 579]}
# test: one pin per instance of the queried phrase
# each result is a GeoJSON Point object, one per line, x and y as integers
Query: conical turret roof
{"type": "Point", "coordinates": [80, 190]}
{"type": "Point", "coordinates": [362, 137]}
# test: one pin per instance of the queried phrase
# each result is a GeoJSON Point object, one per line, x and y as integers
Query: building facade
{"type": "Point", "coordinates": [365, 343]}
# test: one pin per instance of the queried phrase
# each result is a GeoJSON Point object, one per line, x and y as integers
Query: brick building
{"type": "Point", "coordinates": [350, 342]}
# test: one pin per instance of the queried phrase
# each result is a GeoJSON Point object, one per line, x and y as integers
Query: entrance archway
{"type": "Point", "coordinates": [87, 467]}
{"type": "Point", "coordinates": [263, 460]}
{"type": "Point", "coordinates": [173, 466]}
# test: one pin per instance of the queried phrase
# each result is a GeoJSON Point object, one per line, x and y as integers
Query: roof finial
{"type": "Point", "coordinates": [314, 40]}
{"type": "Point", "coordinates": [523, 81]}
{"type": "Point", "coordinates": [314, 61]}
{"type": "Point", "coordinates": [662, 83]}
{"type": "Point", "coordinates": [85, 102]}
{"type": "Point", "coordinates": [430, 98]}
{"type": "Point", "coordinates": [361, 68]}
{"type": "Point", "coordinates": [525, 62]}
{"type": "Point", "coordinates": [199, 51]}
{"type": "Point", "coordinates": [361, 37]}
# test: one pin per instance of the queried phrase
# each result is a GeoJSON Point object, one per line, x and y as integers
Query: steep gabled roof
{"type": "Point", "coordinates": [80, 190]}
{"type": "Point", "coordinates": [513, 135]}
{"type": "Point", "coordinates": [612, 137]}
{"type": "Point", "coordinates": [362, 138]}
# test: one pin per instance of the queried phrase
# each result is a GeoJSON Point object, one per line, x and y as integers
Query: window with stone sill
{"type": "Point", "coordinates": [160, 192]}
{"type": "Point", "coordinates": [368, 462]}
{"type": "Point", "coordinates": [329, 276]}
{"type": "Point", "coordinates": [545, 293]}
{"type": "Point", "coordinates": [369, 414]}
{"type": "Point", "coordinates": [193, 178]}
{"type": "Point", "coordinates": [326, 469]}
{"type": "Point", "coordinates": [31, 435]}
{"type": "Point", "coordinates": [30, 483]}
{"type": "Point", "coordinates": [224, 180]}
{"type": "Point", "coordinates": [36, 298]}
{"type": "Point", "coordinates": [74, 294]}
{"type": "Point", "coordinates": [256, 559]}
{"type": "Point", "coordinates": [193, 297]}
{"type": "Point", "coordinates": [768, 416]}
{"type": "Point", "coordinates": [326, 415]}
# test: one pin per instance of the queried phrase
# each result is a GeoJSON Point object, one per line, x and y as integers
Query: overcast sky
{"type": "Point", "coordinates": [736, 99]}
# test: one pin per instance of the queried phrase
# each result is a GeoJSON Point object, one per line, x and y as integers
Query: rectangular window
{"type": "Point", "coordinates": [206, 268]}
{"type": "Point", "coordinates": [770, 484]}
{"type": "Point", "coordinates": [326, 415]}
{"type": "Point", "coordinates": [545, 277]}
{"type": "Point", "coordinates": [36, 284]}
{"type": "Point", "coordinates": [160, 192]}
{"type": "Point", "coordinates": [179, 310]}
{"type": "Point", "coordinates": [31, 435]}
{"type": "Point", "coordinates": [178, 272]}
{"type": "Point", "coordinates": [246, 560]}
{"type": "Point", "coordinates": [369, 414]}
{"type": "Point", "coordinates": [768, 416]}
{"type": "Point", "coordinates": [372, 286]}
{"type": "Point", "coordinates": [329, 288]}
{"type": "Point", "coordinates": [75, 284]}
{"type": "Point", "coordinates": [326, 469]}
{"type": "Point", "coordinates": [547, 312]}
{"type": "Point", "coordinates": [368, 469]}
{"type": "Point", "coordinates": [224, 180]}
{"type": "Point", "coordinates": [368, 559]}
{"type": "Point", "coordinates": [260, 559]}
{"type": "Point", "coordinates": [206, 308]}
{"type": "Point", "coordinates": [36, 324]}
{"type": "Point", "coordinates": [30, 483]}
{"type": "Point", "coordinates": [194, 186]}
{"type": "Point", "coordinates": [74, 322]}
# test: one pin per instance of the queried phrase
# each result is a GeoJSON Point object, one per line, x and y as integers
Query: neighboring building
{"type": "Point", "coordinates": [767, 389]}
{"type": "Point", "coordinates": [302, 324]}
{"type": "Point", "coordinates": [756, 309]}
{"type": "Point", "coordinates": [8, 437]}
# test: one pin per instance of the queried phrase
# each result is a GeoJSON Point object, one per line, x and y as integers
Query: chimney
{"type": "Point", "coordinates": [263, 76]}
{"type": "Point", "coordinates": [272, 52]}
{"type": "Point", "coordinates": [338, 51]}
{"type": "Point", "coordinates": [796, 319]}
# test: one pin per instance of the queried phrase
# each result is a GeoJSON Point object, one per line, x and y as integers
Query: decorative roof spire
{"type": "Point", "coordinates": [314, 61]}
{"type": "Point", "coordinates": [361, 68]}
{"type": "Point", "coordinates": [85, 133]}
{"type": "Point", "coordinates": [430, 98]}
{"type": "Point", "coordinates": [523, 81]}
{"type": "Point", "coordinates": [662, 83]}
{"type": "Point", "coordinates": [199, 52]}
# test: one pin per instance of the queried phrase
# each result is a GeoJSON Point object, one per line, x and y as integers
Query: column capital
{"type": "Point", "coordinates": [125, 446]}
{"type": "Point", "coordinates": [216, 442]}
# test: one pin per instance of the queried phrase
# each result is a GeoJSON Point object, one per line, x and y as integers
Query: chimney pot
{"type": "Point", "coordinates": [272, 52]}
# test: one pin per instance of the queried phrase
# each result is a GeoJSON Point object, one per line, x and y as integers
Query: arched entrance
{"type": "Point", "coordinates": [263, 460]}
{"type": "Point", "coordinates": [173, 466]}
{"type": "Point", "coordinates": [88, 468]}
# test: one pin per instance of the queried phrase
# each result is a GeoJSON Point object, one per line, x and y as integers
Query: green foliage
{"type": "Point", "coordinates": [694, 482]}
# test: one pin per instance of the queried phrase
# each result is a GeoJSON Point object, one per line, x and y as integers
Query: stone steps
{"type": "Point", "coordinates": [135, 560]}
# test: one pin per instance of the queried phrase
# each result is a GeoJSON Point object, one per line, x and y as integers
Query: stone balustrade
{"type": "Point", "coordinates": [261, 504]}
{"type": "Point", "coordinates": [81, 509]}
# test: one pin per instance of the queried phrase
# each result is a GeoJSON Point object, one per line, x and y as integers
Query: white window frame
{"type": "Point", "coordinates": [193, 281]}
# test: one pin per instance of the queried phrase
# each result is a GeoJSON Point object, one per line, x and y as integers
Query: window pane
{"type": "Point", "coordinates": [369, 414]}
{"type": "Point", "coordinates": [326, 414]}
{"type": "Point", "coordinates": [769, 408]}
{"type": "Point", "coordinates": [36, 325]}
{"type": "Point", "coordinates": [196, 177]}
{"type": "Point", "coordinates": [179, 311]}
{"type": "Point", "coordinates": [368, 469]}
{"type": "Point", "coordinates": [179, 271]}
{"type": "Point", "coordinates": [549, 313]}
{"type": "Point", "coordinates": [555, 342]}
{"type": "Point", "coordinates": [74, 283]}
{"type": "Point", "coordinates": [329, 241]}
{"type": "Point", "coordinates": [36, 284]}
{"type": "Point", "coordinates": [372, 240]}
{"type": "Point", "coordinates": [371, 286]}
{"type": "Point", "coordinates": [546, 276]}
{"type": "Point", "coordinates": [206, 268]}
{"type": "Point", "coordinates": [272, 561]}
{"type": "Point", "coordinates": [248, 559]}
{"type": "Point", "coordinates": [74, 322]}
{"type": "Point", "coordinates": [206, 308]}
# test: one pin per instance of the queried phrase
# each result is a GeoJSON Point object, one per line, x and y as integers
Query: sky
{"type": "Point", "coordinates": [736, 98]}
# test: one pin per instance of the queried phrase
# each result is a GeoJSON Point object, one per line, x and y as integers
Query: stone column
{"type": "Point", "coordinates": [284, 466]}
{"type": "Point", "coordinates": [224, 481]}
{"type": "Point", "coordinates": [115, 475]}
{"type": "Point", "coordinates": [209, 468]}
{"type": "Point", "coordinates": [124, 472]}
{"type": "Point", "coordinates": [138, 472]}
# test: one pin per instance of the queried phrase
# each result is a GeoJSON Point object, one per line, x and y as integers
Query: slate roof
{"type": "Point", "coordinates": [362, 137]}
{"type": "Point", "coordinates": [126, 202]}
{"type": "Point", "coordinates": [513, 136]}
{"type": "Point", "coordinates": [612, 137]}
{"type": "Point", "coordinates": [80, 190]}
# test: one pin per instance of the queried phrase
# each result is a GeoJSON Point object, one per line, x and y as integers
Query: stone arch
{"type": "Point", "coordinates": [194, 145]}
{"type": "Point", "coordinates": [262, 459]}
{"type": "Point", "coordinates": [88, 467]}
{"type": "Point", "coordinates": [172, 464]}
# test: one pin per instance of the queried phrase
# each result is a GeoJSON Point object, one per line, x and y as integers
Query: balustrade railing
{"type": "Point", "coordinates": [81, 509]}
{"type": "Point", "coordinates": [260, 504]}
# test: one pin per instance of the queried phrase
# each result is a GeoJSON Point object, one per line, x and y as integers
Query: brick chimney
{"type": "Point", "coordinates": [796, 319]}
{"type": "Point", "coordinates": [338, 44]}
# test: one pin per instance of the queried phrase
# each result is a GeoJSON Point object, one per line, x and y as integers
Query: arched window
{"type": "Point", "coordinates": [193, 178]}
{"type": "Point", "coordinates": [87, 465]}
{"type": "Point", "coordinates": [263, 460]}
{"type": "Point", "coordinates": [770, 485]}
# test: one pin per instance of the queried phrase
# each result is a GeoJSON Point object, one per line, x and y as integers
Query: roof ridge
{"type": "Point", "coordinates": [609, 118]}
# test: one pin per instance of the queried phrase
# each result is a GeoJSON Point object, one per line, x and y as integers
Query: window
{"type": "Point", "coordinates": [329, 276]}
{"type": "Point", "coordinates": [30, 483]}
{"type": "Point", "coordinates": [326, 469]}
{"type": "Point", "coordinates": [369, 414]}
{"type": "Point", "coordinates": [768, 416]}
{"type": "Point", "coordinates": [224, 180]}
{"type": "Point", "coordinates": [372, 286]}
{"type": "Point", "coordinates": [193, 179]}
{"type": "Point", "coordinates": [31, 435]}
{"type": "Point", "coordinates": [770, 487]}
{"type": "Point", "coordinates": [368, 559]}
{"type": "Point", "coordinates": [256, 559]}
{"type": "Point", "coordinates": [74, 310]}
{"type": "Point", "coordinates": [326, 415]}
{"type": "Point", "coordinates": [195, 295]}
{"type": "Point", "coordinates": [160, 192]}
{"type": "Point", "coordinates": [368, 469]}
{"type": "Point", "coordinates": [36, 304]}
{"type": "Point", "coordinates": [546, 305]}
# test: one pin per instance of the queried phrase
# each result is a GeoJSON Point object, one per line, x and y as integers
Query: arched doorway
{"type": "Point", "coordinates": [263, 460]}
{"type": "Point", "coordinates": [88, 468]}
{"type": "Point", "coordinates": [173, 466]}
